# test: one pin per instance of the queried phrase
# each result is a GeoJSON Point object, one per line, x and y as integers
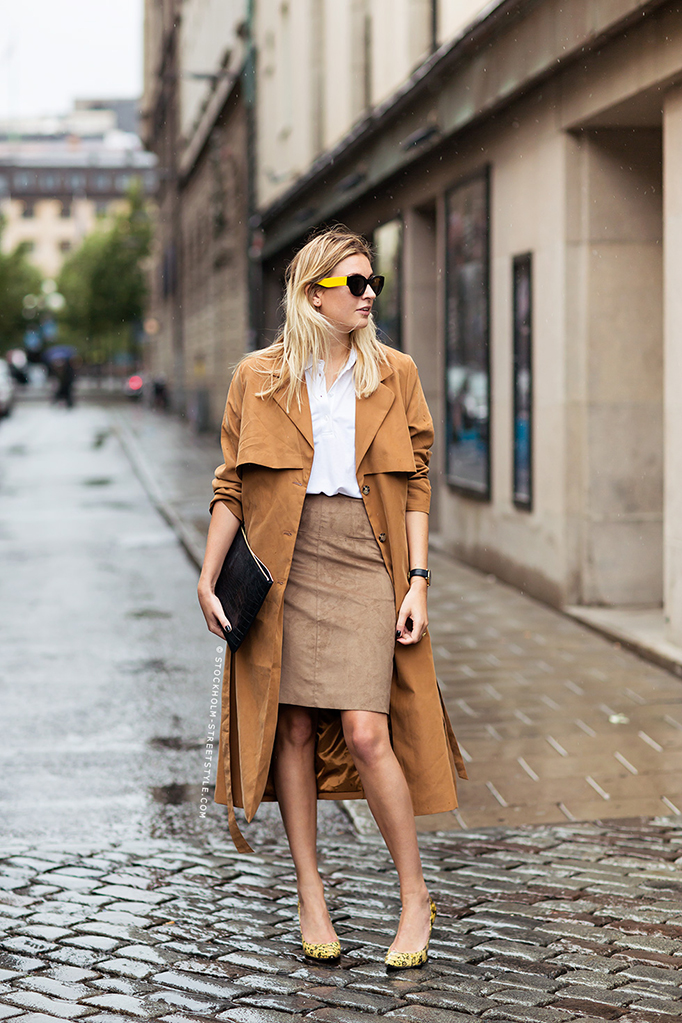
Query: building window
{"type": "Point", "coordinates": [77, 182]}
{"type": "Point", "coordinates": [65, 246]}
{"type": "Point", "coordinates": [65, 210]}
{"type": "Point", "coordinates": [102, 182]}
{"type": "Point", "coordinates": [523, 381]}
{"type": "Point", "coordinates": [49, 182]}
{"type": "Point", "coordinates": [285, 83]}
{"type": "Point", "coordinates": [318, 66]}
{"type": "Point", "coordinates": [24, 181]}
{"type": "Point", "coordinates": [28, 210]}
{"type": "Point", "coordinates": [388, 245]}
{"type": "Point", "coordinates": [467, 336]}
{"type": "Point", "coordinates": [361, 57]}
{"type": "Point", "coordinates": [421, 15]}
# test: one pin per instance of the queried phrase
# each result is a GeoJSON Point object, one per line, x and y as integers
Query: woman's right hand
{"type": "Point", "coordinates": [221, 533]}
{"type": "Point", "coordinates": [213, 611]}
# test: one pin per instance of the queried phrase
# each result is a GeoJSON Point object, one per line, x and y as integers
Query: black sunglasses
{"type": "Point", "coordinates": [357, 284]}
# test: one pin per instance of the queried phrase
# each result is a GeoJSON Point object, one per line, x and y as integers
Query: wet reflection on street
{"type": "Point", "coordinates": [107, 667]}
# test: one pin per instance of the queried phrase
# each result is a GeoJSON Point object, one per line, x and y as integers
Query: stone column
{"type": "Point", "coordinates": [672, 236]}
{"type": "Point", "coordinates": [421, 329]}
{"type": "Point", "coordinates": [615, 297]}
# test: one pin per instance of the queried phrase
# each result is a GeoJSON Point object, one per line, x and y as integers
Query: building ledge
{"type": "Point", "coordinates": [510, 48]}
{"type": "Point", "coordinates": [640, 629]}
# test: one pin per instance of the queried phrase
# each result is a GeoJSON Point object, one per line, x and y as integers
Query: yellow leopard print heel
{"type": "Point", "coordinates": [327, 952]}
{"type": "Point", "coordinates": [410, 960]}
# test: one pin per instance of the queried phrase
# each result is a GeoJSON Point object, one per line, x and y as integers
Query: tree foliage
{"type": "Point", "coordinates": [18, 277]}
{"type": "Point", "coordinates": [104, 281]}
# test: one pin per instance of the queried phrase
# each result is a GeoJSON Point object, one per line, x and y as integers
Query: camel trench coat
{"type": "Point", "coordinates": [268, 455]}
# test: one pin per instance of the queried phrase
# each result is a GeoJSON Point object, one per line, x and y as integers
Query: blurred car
{"type": "Point", "coordinates": [6, 390]}
{"type": "Point", "coordinates": [134, 387]}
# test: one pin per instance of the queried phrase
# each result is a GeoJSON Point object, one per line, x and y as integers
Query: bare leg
{"type": "Point", "coordinates": [294, 775]}
{"type": "Point", "coordinates": [382, 778]}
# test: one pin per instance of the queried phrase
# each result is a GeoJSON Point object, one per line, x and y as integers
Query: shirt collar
{"type": "Point", "coordinates": [350, 362]}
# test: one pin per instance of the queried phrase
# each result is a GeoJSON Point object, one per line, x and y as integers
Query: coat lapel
{"type": "Point", "coordinates": [300, 416]}
{"type": "Point", "coordinates": [369, 415]}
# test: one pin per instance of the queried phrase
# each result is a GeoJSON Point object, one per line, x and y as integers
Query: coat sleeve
{"type": "Point", "coordinates": [227, 484]}
{"type": "Point", "coordinates": [421, 433]}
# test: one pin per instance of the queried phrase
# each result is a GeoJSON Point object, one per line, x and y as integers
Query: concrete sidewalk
{"type": "Point", "coordinates": [556, 722]}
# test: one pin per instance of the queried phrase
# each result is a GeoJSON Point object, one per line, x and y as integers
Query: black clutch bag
{"type": "Point", "coordinates": [241, 588]}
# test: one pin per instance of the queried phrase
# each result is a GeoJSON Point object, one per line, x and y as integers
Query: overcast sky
{"type": "Point", "coordinates": [54, 51]}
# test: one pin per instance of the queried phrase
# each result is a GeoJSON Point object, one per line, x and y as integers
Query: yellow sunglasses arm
{"type": "Point", "coordinates": [333, 282]}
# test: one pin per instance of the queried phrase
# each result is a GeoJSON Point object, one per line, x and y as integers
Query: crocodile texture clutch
{"type": "Point", "coordinates": [241, 588]}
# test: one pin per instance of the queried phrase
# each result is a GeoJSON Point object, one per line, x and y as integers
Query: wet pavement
{"type": "Point", "coordinates": [558, 722]}
{"type": "Point", "coordinates": [120, 900]}
{"type": "Point", "coordinates": [107, 671]}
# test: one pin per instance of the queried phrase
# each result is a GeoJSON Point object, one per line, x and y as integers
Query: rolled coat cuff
{"type": "Point", "coordinates": [419, 496]}
{"type": "Point", "coordinates": [232, 502]}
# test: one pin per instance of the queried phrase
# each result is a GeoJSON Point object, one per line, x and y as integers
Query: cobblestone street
{"type": "Point", "coordinates": [538, 924]}
{"type": "Point", "coordinates": [558, 881]}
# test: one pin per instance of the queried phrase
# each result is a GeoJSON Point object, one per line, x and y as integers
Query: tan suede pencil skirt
{"type": "Point", "coordinates": [339, 612]}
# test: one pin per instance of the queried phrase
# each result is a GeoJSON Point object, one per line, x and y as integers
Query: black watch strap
{"type": "Point", "coordinates": [424, 573]}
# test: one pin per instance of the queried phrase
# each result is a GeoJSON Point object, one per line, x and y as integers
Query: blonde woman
{"type": "Point", "coordinates": [333, 694]}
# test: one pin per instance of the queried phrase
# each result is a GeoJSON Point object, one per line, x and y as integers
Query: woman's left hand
{"type": "Point", "coordinates": [414, 608]}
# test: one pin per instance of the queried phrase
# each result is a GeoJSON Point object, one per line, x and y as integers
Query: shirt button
{"type": "Point", "coordinates": [365, 489]}
{"type": "Point", "coordinates": [382, 538]}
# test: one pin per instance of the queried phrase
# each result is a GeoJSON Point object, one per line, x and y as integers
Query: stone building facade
{"type": "Point", "coordinates": [522, 159]}
{"type": "Point", "coordinates": [517, 165]}
{"type": "Point", "coordinates": [194, 118]}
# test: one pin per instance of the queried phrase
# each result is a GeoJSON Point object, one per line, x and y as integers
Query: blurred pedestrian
{"type": "Point", "coordinates": [159, 394]}
{"type": "Point", "coordinates": [66, 374]}
{"type": "Point", "coordinates": [326, 441]}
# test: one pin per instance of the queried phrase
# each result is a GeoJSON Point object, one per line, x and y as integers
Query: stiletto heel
{"type": "Point", "coordinates": [408, 960]}
{"type": "Point", "coordinates": [326, 952]}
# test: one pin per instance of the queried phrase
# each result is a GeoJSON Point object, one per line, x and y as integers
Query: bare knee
{"type": "Point", "coordinates": [366, 737]}
{"type": "Point", "coordinates": [296, 726]}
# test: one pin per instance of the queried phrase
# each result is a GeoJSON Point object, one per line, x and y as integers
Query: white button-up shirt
{"type": "Point", "coordinates": [333, 415]}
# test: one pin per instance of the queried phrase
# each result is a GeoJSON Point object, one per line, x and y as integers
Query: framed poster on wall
{"type": "Point", "coordinates": [522, 269]}
{"type": "Point", "coordinates": [388, 246]}
{"type": "Point", "coordinates": [467, 367]}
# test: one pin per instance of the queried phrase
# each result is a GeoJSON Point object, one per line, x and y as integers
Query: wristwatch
{"type": "Point", "coordinates": [424, 573]}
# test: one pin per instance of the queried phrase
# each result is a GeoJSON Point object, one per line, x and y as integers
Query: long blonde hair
{"type": "Point", "coordinates": [306, 331]}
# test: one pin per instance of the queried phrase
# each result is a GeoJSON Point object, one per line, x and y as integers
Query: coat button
{"type": "Point", "coordinates": [382, 538]}
{"type": "Point", "coordinates": [365, 489]}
